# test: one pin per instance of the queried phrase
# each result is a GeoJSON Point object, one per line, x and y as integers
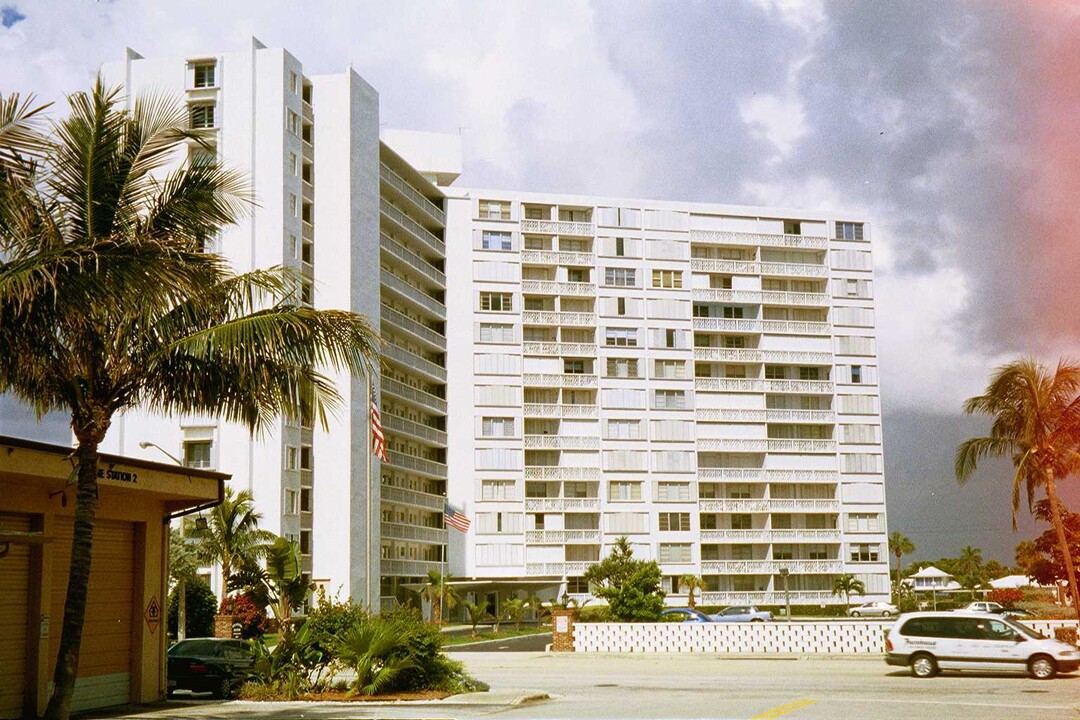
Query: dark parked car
{"type": "Point", "coordinates": [684, 615]}
{"type": "Point", "coordinates": [209, 665]}
{"type": "Point", "coordinates": [1016, 613]}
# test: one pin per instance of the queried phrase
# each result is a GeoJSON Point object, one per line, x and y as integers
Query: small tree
{"type": "Point", "coordinates": [439, 591]}
{"type": "Point", "coordinates": [232, 539]}
{"type": "Point", "coordinates": [513, 609]}
{"type": "Point", "coordinates": [691, 583]}
{"type": "Point", "coordinates": [1007, 597]}
{"type": "Point", "coordinates": [630, 586]}
{"type": "Point", "coordinates": [899, 546]}
{"type": "Point", "coordinates": [247, 612]}
{"type": "Point", "coordinates": [201, 605]}
{"type": "Point", "coordinates": [476, 612]}
{"type": "Point", "coordinates": [846, 585]}
{"type": "Point", "coordinates": [280, 585]}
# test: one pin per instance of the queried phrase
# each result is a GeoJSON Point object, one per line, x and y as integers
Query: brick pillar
{"type": "Point", "coordinates": [562, 629]}
{"type": "Point", "coordinates": [223, 626]}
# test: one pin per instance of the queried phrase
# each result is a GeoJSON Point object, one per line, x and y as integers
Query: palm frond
{"type": "Point", "coordinates": [20, 129]}
{"type": "Point", "coordinates": [973, 450]}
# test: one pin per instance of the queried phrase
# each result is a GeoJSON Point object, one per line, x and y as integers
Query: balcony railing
{"type": "Point", "coordinates": [405, 496]}
{"type": "Point", "coordinates": [546, 472]}
{"type": "Point", "coordinates": [805, 535]}
{"type": "Point", "coordinates": [419, 465]}
{"type": "Point", "coordinates": [418, 397]}
{"type": "Point", "coordinates": [801, 357]}
{"type": "Point", "coordinates": [734, 505]}
{"type": "Point", "coordinates": [741, 475]}
{"type": "Point", "coordinates": [550, 317]}
{"type": "Point", "coordinates": [796, 327]}
{"type": "Point", "coordinates": [736, 445]}
{"type": "Point", "coordinates": [559, 569]}
{"type": "Point", "coordinates": [729, 384]}
{"type": "Point", "coordinates": [557, 287]}
{"type": "Point", "coordinates": [730, 415]}
{"type": "Point", "coordinates": [426, 433]}
{"type": "Point", "coordinates": [737, 355]}
{"type": "Point", "coordinates": [569, 380]}
{"type": "Point", "coordinates": [415, 229]}
{"type": "Point", "coordinates": [409, 568]}
{"type": "Point", "coordinates": [794, 269]}
{"type": "Point", "coordinates": [561, 504]}
{"type": "Point", "coordinates": [799, 386]}
{"type": "Point", "coordinates": [412, 260]}
{"type": "Point", "coordinates": [800, 416]}
{"type": "Point", "coordinates": [804, 299]}
{"type": "Point", "coordinates": [410, 292]}
{"type": "Point", "coordinates": [562, 536]}
{"type": "Point", "coordinates": [725, 237]}
{"type": "Point", "coordinates": [557, 257]}
{"type": "Point", "coordinates": [422, 203]}
{"type": "Point", "coordinates": [557, 227]}
{"type": "Point", "coordinates": [559, 349]}
{"type": "Point", "coordinates": [769, 567]}
{"type": "Point", "coordinates": [414, 362]}
{"type": "Point", "coordinates": [798, 597]}
{"type": "Point", "coordinates": [715, 265]}
{"type": "Point", "coordinates": [400, 531]}
{"type": "Point", "coordinates": [726, 295]}
{"type": "Point", "coordinates": [561, 442]}
{"type": "Point", "coordinates": [761, 505]}
{"type": "Point", "coordinates": [736, 536]}
{"type": "Point", "coordinates": [552, 410]}
{"type": "Point", "coordinates": [417, 329]}
{"type": "Point", "coordinates": [727, 325]}
{"type": "Point", "coordinates": [801, 446]}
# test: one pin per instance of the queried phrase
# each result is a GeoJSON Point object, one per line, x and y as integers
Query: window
{"type": "Point", "coordinates": [538, 521]}
{"type": "Point", "coordinates": [741, 522]}
{"type": "Point", "coordinates": [673, 492]}
{"type": "Point", "coordinates": [781, 522]}
{"type": "Point", "coordinates": [809, 373]}
{"type": "Point", "coordinates": [863, 522]}
{"type": "Point", "coordinates": [292, 458]}
{"type": "Point", "coordinates": [701, 311]}
{"type": "Point", "coordinates": [496, 302]}
{"type": "Point", "coordinates": [864, 552]}
{"type": "Point", "coordinates": [494, 210]}
{"type": "Point", "coordinates": [667, 278]}
{"type": "Point", "coordinates": [624, 490]}
{"type": "Point", "coordinates": [792, 227]}
{"type": "Point", "coordinates": [620, 306]}
{"type": "Point", "coordinates": [733, 313]}
{"type": "Point", "coordinates": [623, 430]}
{"type": "Point", "coordinates": [622, 337]}
{"type": "Point", "coordinates": [783, 552]}
{"type": "Point", "coordinates": [197, 454]}
{"type": "Point", "coordinates": [620, 247]}
{"type": "Point", "coordinates": [205, 75]}
{"type": "Point", "coordinates": [498, 490]}
{"type": "Point", "coordinates": [620, 277]}
{"type": "Point", "coordinates": [202, 117]}
{"type": "Point", "coordinates": [497, 427]}
{"type": "Point", "coordinates": [305, 542]}
{"type": "Point", "coordinates": [294, 205]}
{"type": "Point", "coordinates": [669, 369]}
{"type": "Point", "coordinates": [676, 522]}
{"type": "Point", "coordinates": [305, 457]}
{"type": "Point", "coordinates": [622, 367]}
{"type": "Point", "coordinates": [674, 553]}
{"type": "Point", "coordinates": [577, 586]}
{"type": "Point", "coordinates": [856, 374]}
{"type": "Point", "coordinates": [492, 333]}
{"type": "Point", "coordinates": [305, 499]}
{"type": "Point", "coordinates": [292, 122]}
{"type": "Point", "coordinates": [669, 338]}
{"type": "Point", "coordinates": [669, 400]}
{"type": "Point", "coordinates": [851, 288]}
{"type": "Point", "coordinates": [294, 83]}
{"type": "Point", "coordinates": [292, 505]}
{"type": "Point", "coordinates": [496, 240]}
{"type": "Point", "coordinates": [849, 231]}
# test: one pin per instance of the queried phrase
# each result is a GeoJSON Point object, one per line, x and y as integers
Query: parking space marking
{"type": "Point", "coordinates": [783, 709]}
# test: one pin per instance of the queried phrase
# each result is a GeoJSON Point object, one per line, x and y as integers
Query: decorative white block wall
{"type": "Point", "coordinates": [856, 637]}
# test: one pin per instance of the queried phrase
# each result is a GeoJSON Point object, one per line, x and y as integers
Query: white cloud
{"type": "Point", "coordinates": [806, 15]}
{"type": "Point", "coordinates": [775, 119]}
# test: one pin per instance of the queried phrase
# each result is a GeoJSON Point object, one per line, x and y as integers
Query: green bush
{"type": "Point", "coordinates": [594, 613]}
{"type": "Point", "coordinates": [200, 609]}
{"type": "Point", "coordinates": [423, 643]}
{"type": "Point", "coordinates": [329, 620]}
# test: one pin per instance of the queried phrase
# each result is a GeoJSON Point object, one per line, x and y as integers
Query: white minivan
{"type": "Point", "coordinates": [929, 642]}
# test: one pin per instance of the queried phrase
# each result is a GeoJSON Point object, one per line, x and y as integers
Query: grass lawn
{"type": "Point", "coordinates": [501, 635]}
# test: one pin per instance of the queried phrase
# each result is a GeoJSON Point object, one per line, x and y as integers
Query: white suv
{"type": "Point", "coordinates": [989, 607]}
{"type": "Point", "coordinates": [929, 642]}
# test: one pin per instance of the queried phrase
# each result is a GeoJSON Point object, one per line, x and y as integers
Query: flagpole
{"type": "Point", "coordinates": [367, 496]}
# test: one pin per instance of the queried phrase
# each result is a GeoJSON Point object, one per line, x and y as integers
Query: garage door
{"type": "Point", "coordinates": [15, 581]}
{"type": "Point", "coordinates": [105, 659]}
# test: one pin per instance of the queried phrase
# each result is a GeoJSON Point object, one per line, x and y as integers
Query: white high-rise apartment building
{"type": "Point", "coordinates": [699, 378]}
{"type": "Point", "coordinates": [364, 231]}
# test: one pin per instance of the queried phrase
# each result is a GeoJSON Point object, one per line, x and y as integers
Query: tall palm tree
{"type": "Point", "coordinates": [108, 301]}
{"type": "Point", "coordinates": [440, 592]}
{"type": "Point", "coordinates": [1036, 423]}
{"type": "Point", "coordinates": [847, 585]}
{"type": "Point", "coordinates": [232, 538]}
{"type": "Point", "coordinates": [691, 582]}
{"type": "Point", "coordinates": [899, 546]}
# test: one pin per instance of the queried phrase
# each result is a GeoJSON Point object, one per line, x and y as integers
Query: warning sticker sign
{"type": "Point", "coordinates": [153, 614]}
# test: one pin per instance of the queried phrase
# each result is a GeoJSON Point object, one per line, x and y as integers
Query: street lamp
{"type": "Point", "coordinates": [144, 445]}
{"type": "Point", "coordinates": [784, 572]}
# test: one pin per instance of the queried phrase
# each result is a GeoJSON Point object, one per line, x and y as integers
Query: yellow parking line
{"type": "Point", "coordinates": [783, 709]}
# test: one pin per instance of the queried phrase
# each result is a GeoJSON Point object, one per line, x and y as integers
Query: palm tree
{"type": "Point", "coordinates": [691, 582]}
{"type": "Point", "coordinates": [439, 591]}
{"type": "Point", "coordinates": [477, 612]}
{"type": "Point", "coordinates": [232, 538]}
{"type": "Point", "coordinates": [280, 585]}
{"type": "Point", "coordinates": [899, 546]}
{"type": "Point", "coordinates": [513, 609]}
{"type": "Point", "coordinates": [376, 652]}
{"type": "Point", "coordinates": [108, 301]}
{"type": "Point", "coordinates": [846, 585]}
{"type": "Point", "coordinates": [1037, 425]}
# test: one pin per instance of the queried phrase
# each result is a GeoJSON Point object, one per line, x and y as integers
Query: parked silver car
{"type": "Point", "coordinates": [874, 609]}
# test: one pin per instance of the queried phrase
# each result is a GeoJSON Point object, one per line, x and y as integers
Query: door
{"type": "Point", "coordinates": [15, 581]}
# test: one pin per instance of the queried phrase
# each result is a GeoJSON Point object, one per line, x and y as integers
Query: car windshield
{"type": "Point", "coordinates": [195, 648]}
{"type": "Point", "coordinates": [1023, 629]}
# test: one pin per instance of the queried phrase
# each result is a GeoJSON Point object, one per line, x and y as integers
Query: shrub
{"type": "Point", "coordinates": [200, 609]}
{"type": "Point", "coordinates": [288, 670]}
{"type": "Point", "coordinates": [424, 643]}
{"type": "Point", "coordinates": [1006, 596]}
{"type": "Point", "coordinates": [244, 611]}
{"type": "Point", "coordinates": [329, 620]}
{"type": "Point", "coordinates": [630, 586]}
{"type": "Point", "coordinates": [595, 613]}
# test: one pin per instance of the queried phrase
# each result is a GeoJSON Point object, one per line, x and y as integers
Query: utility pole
{"type": "Point", "coordinates": [784, 572]}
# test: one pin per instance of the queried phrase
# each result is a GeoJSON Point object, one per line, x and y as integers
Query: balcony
{"type": "Point", "coordinates": [559, 349]}
{"type": "Point", "coordinates": [736, 536]}
{"type": "Point", "coordinates": [800, 299]}
{"type": "Point", "coordinates": [418, 330]}
{"type": "Point", "coordinates": [548, 472]}
{"type": "Point", "coordinates": [805, 535]}
{"type": "Point", "coordinates": [735, 445]}
{"type": "Point", "coordinates": [805, 270]}
{"type": "Point", "coordinates": [734, 505]}
{"type": "Point", "coordinates": [798, 597]}
{"type": "Point", "coordinates": [751, 297]}
{"type": "Point", "coordinates": [557, 287]}
{"type": "Point", "coordinates": [400, 425]}
{"type": "Point", "coordinates": [561, 504]}
{"type": "Point", "coordinates": [801, 446]}
{"type": "Point", "coordinates": [418, 397]}
{"type": "Point", "coordinates": [795, 327]}
{"type": "Point", "coordinates": [797, 357]}
{"type": "Point", "coordinates": [412, 361]}
{"type": "Point", "coordinates": [744, 239]}
{"type": "Point", "coordinates": [741, 385]}
{"type": "Point", "coordinates": [561, 442]}
{"type": "Point", "coordinates": [405, 496]}
{"type": "Point", "coordinates": [733, 267]}
{"type": "Point", "coordinates": [409, 568]}
{"type": "Point", "coordinates": [742, 475]}
{"type": "Point", "coordinates": [557, 227]}
{"type": "Point", "coordinates": [727, 325]}
{"type": "Point", "coordinates": [557, 257]}
{"type": "Point", "coordinates": [817, 387]}
{"type": "Point", "coordinates": [551, 410]}
{"type": "Point", "coordinates": [559, 569]}
{"type": "Point", "coordinates": [409, 292]}
{"type": "Point", "coordinates": [771, 567]}
{"type": "Point", "coordinates": [413, 228]}
{"type": "Point", "coordinates": [423, 204]}
{"type": "Point", "coordinates": [800, 416]}
{"type": "Point", "coordinates": [400, 531]}
{"type": "Point", "coordinates": [420, 465]}
{"type": "Point", "coordinates": [763, 505]}
{"type": "Point", "coordinates": [550, 318]}
{"type": "Point", "coordinates": [568, 380]}
{"type": "Point", "coordinates": [736, 355]}
{"type": "Point", "coordinates": [560, 537]}
{"type": "Point", "coordinates": [732, 415]}
{"type": "Point", "coordinates": [411, 260]}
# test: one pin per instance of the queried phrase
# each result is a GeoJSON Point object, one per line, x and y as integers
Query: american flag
{"type": "Point", "coordinates": [378, 440]}
{"type": "Point", "coordinates": [453, 518]}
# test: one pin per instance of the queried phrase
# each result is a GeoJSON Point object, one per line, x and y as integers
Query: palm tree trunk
{"type": "Point", "coordinates": [1063, 542]}
{"type": "Point", "coordinates": [67, 660]}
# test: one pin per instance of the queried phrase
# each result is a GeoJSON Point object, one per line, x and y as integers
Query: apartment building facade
{"type": "Point", "coordinates": [363, 231]}
{"type": "Point", "coordinates": [699, 378]}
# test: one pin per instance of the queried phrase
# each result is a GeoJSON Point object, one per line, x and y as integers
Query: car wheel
{"type": "Point", "coordinates": [886, 614]}
{"type": "Point", "coordinates": [856, 613]}
{"type": "Point", "coordinates": [757, 620]}
{"type": "Point", "coordinates": [224, 690]}
{"type": "Point", "coordinates": [923, 665]}
{"type": "Point", "coordinates": [1042, 667]}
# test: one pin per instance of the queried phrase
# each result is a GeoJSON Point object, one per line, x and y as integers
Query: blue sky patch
{"type": "Point", "coordinates": [9, 15]}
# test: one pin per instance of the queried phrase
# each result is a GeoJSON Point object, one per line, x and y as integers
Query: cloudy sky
{"type": "Point", "coordinates": [955, 127]}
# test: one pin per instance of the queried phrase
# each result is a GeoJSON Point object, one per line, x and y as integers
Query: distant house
{"type": "Point", "coordinates": [931, 579]}
{"type": "Point", "coordinates": [1012, 581]}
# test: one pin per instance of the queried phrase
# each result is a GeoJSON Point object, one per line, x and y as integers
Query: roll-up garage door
{"type": "Point", "coordinates": [14, 599]}
{"type": "Point", "coordinates": [105, 658]}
